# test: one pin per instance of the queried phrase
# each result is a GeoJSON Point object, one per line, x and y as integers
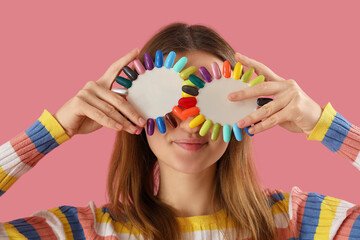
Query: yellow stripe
{"type": "Point", "coordinates": [6, 181]}
{"type": "Point", "coordinates": [13, 233]}
{"type": "Point", "coordinates": [281, 206]}
{"type": "Point", "coordinates": [54, 127]}
{"type": "Point", "coordinates": [322, 126]}
{"type": "Point", "coordinates": [68, 233]}
{"type": "Point", "coordinates": [327, 215]}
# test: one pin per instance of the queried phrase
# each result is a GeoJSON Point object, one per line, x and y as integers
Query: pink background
{"type": "Point", "coordinates": [48, 51]}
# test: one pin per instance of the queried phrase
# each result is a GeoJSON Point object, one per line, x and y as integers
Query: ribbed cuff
{"type": "Point", "coordinates": [324, 123]}
{"type": "Point", "coordinates": [54, 127]}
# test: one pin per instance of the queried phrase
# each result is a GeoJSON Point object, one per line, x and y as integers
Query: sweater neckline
{"type": "Point", "coordinates": [203, 219]}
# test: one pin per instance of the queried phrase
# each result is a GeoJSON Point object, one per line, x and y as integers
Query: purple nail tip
{"type": "Point", "coordinates": [150, 126]}
{"type": "Point", "coordinates": [205, 74]}
{"type": "Point", "coordinates": [149, 64]}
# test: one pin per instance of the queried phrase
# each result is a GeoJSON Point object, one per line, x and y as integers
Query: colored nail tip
{"type": "Point", "coordinates": [196, 81]}
{"type": "Point", "coordinates": [226, 133]}
{"type": "Point", "coordinates": [150, 124]}
{"type": "Point", "coordinates": [188, 82]}
{"type": "Point", "coordinates": [161, 124]}
{"type": "Point", "coordinates": [199, 119]}
{"type": "Point", "coordinates": [179, 113]}
{"type": "Point", "coordinates": [187, 102]}
{"type": "Point", "coordinates": [215, 132]}
{"type": "Point", "coordinates": [121, 91]}
{"type": "Point", "coordinates": [205, 74]}
{"type": "Point", "coordinates": [262, 101]}
{"type": "Point", "coordinates": [190, 90]}
{"type": "Point", "coordinates": [184, 74]}
{"type": "Point", "coordinates": [170, 60]}
{"type": "Point", "coordinates": [237, 132]}
{"type": "Point", "coordinates": [246, 129]}
{"type": "Point", "coordinates": [159, 59]}
{"type": "Point", "coordinates": [190, 112]}
{"type": "Point", "coordinates": [130, 73]}
{"type": "Point", "coordinates": [140, 69]}
{"type": "Point", "coordinates": [257, 80]}
{"type": "Point", "coordinates": [180, 64]}
{"type": "Point", "coordinates": [216, 70]}
{"type": "Point", "coordinates": [237, 71]}
{"type": "Point", "coordinates": [149, 65]}
{"type": "Point", "coordinates": [247, 75]}
{"type": "Point", "coordinates": [227, 69]}
{"type": "Point", "coordinates": [171, 120]}
{"type": "Point", "coordinates": [205, 127]}
{"type": "Point", "coordinates": [123, 81]}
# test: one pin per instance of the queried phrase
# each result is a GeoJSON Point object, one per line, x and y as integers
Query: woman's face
{"type": "Point", "coordinates": [182, 148]}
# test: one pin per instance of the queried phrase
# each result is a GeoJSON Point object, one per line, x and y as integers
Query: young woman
{"type": "Point", "coordinates": [179, 185]}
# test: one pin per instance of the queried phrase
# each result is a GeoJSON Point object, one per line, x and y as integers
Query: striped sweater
{"type": "Point", "coordinates": [310, 215]}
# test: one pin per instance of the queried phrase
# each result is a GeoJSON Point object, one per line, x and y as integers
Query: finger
{"type": "Point", "coordinates": [260, 69]}
{"type": "Point", "coordinates": [120, 104]}
{"type": "Point", "coordinates": [99, 116]}
{"type": "Point", "coordinates": [265, 111]}
{"type": "Point", "coordinates": [114, 70]}
{"type": "Point", "coordinates": [272, 121]}
{"type": "Point", "coordinates": [261, 89]}
{"type": "Point", "coordinates": [108, 112]}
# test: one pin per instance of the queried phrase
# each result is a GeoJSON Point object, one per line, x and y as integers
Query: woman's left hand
{"type": "Point", "coordinates": [291, 108]}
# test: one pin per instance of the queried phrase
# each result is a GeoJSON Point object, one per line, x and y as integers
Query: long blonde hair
{"type": "Point", "coordinates": [132, 171]}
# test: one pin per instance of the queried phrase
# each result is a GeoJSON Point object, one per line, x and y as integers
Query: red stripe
{"type": "Point", "coordinates": [346, 226]}
{"type": "Point", "coordinates": [25, 149]}
{"type": "Point", "coordinates": [298, 201]}
{"type": "Point", "coordinates": [349, 148]}
{"type": "Point", "coordinates": [43, 229]}
{"type": "Point", "coordinates": [86, 219]}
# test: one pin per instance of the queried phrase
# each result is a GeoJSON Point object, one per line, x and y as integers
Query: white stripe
{"type": "Point", "coordinates": [10, 161]}
{"type": "Point", "coordinates": [356, 163]}
{"type": "Point", "coordinates": [3, 234]}
{"type": "Point", "coordinates": [53, 221]}
{"type": "Point", "coordinates": [339, 217]}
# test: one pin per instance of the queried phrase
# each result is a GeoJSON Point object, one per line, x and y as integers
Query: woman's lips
{"type": "Point", "coordinates": [191, 145]}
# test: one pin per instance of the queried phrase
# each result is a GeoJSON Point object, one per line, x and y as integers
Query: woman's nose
{"type": "Point", "coordinates": [185, 125]}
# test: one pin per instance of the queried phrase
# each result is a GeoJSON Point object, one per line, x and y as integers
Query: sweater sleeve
{"type": "Point", "coordinates": [308, 215]}
{"type": "Point", "coordinates": [338, 135]}
{"type": "Point", "coordinates": [24, 151]}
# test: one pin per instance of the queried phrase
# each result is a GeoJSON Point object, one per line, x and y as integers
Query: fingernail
{"type": "Point", "coordinates": [138, 131]}
{"type": "Point", "coordinates": [232, 96]}
{"type": "Point", "coordinates": [241, 123]}
{"type": "Point", "coordinates": [142, 121]}
{"type": "Point", "coordinates": [251, 130]}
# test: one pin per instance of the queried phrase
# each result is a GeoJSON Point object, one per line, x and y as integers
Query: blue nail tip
{"type": "Point", "coordinates": [161, 124]}
{"type": "Point", "coordinates": [246, 129]}
{"type": "Point", "coordinates": [159, 59]}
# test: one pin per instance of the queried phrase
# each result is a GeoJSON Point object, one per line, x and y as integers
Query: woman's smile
{"type": "Point", "coordinates": [191, 144]}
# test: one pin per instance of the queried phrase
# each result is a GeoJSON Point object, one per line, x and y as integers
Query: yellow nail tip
{"type": "Point", "coordinates": [237, 71]}
{"type": "Point", "coordinates": [187, 72]}
{"type": "Point", "coordinates": [184, 94]}
{"type": "Point", "coordinates": [199, 119]}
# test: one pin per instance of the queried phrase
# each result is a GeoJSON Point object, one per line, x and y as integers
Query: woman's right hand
{"type": "Point", "coordinates": [96, 105]}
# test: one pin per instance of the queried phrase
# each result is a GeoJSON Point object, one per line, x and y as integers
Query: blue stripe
{"type": "Point", "coordinates": [71, 214]}
{"type": "Point", "coordinates": [123, 216]}
{"type": "Point", "coordinates": [276, 197]}
{"type": "Point", "coordinates": [25, 228]}
{"type": "Point", "coordinates": [1, 192]}
{"type": "Point", "coordinates": [41, 138]}
{"type": "Point", "coordinates": [355, 229]}
{"type": "Point", "coordinates": [336, 133]}
{"type": "Point", "coordinates": [311, 215]}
